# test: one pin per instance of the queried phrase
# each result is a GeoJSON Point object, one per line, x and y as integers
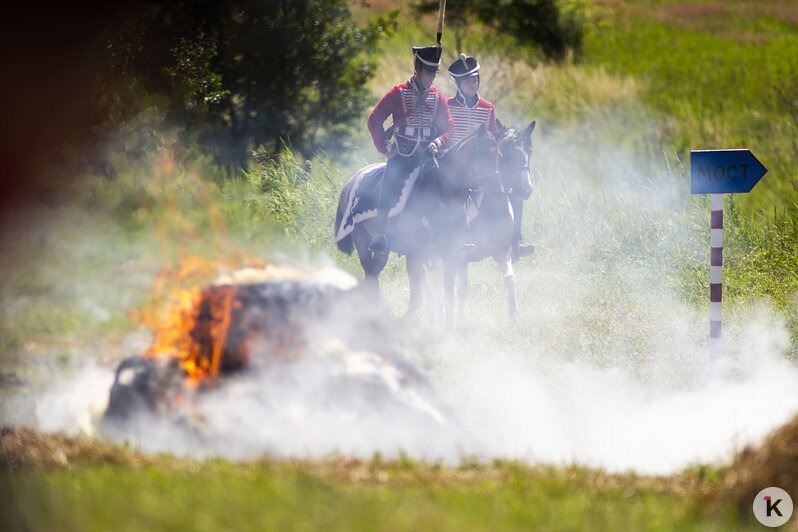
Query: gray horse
{"type": "Point", "coordinates": [494, 225]}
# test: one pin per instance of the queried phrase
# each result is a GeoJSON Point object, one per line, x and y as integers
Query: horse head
{"type": "Point", "coordinates": [472, 161]}
{"type": "Point", "coordinates": [484, 164]}
{"type": "Point", "coordinates": [515, 147]}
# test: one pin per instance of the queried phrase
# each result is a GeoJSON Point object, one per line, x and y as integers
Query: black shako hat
{"type": "Point", "coordinates": [428, 56]}
{"type": "Point", "coordinates": [465, 67]}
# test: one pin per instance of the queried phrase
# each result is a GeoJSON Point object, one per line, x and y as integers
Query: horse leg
{"type": "Point", "coordinates": [506, 266]}
{"type": "Point", "coordinates": [518, 214]}
{"type": "Point", "coordinates": [433, 290]}
{"type": "Point", "coordinates": [415, 275]}
{"type": "Point", "coordinates": [450, 268]}
{"type": "Point", "coordinates": [372, 263]}
{"type": "Point", "coordinates": [462, 289]}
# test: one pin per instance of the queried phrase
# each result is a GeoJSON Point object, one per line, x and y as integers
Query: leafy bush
{"type": "Point", "coordinates": [243, 74]}
{"type": "Point", "coordinates": [554, 26]}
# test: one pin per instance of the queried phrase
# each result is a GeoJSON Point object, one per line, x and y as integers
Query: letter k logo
{"type": "Point", "coordinates": [772, 506]}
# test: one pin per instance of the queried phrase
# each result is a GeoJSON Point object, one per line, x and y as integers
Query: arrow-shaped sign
{"type": "Point", "coordinates": [724, 171]}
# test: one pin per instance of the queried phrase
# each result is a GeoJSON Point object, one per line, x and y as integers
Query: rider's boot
{"type": "Point", "coordinates": [522, 249]}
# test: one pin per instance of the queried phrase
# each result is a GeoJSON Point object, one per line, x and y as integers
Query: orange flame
{"type": "Point", "coordinates": [192, 325]}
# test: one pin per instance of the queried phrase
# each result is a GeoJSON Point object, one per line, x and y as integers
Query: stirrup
{"type": "Point", "coordinates": [379, 244]}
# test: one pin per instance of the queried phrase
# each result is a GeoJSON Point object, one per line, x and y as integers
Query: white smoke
{"type": "Point", "coordinates": [613, 367]}
{"type": "Point", "coordinates": [563, 412]}
{"type": "Point", "coordinates": [510, 405]}
{"type": "Point", "coordinates": [608, 366]}
{"type": "Point", "coordinates": [75, 402]}
{"type": "Point", "coordinates": [337, 400]}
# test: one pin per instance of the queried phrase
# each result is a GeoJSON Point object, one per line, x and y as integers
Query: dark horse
{"type": "Point", "coordinates": [494, 223]}
{"type": "Point", "coordinates": [429, 220]}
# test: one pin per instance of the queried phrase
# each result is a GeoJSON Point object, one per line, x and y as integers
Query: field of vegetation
{"type": "Point", "coordinates": [619, 281]}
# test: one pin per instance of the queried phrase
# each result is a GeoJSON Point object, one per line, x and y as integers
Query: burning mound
{"type": "Point", "coordinates": [775, 463]}
{"type": "Point", "coordinates": [290, 367]}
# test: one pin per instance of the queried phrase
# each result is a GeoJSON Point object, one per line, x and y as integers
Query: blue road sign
{"type": "Point", "coordinates": [724, 171]}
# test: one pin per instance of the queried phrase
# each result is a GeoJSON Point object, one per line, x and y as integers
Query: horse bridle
{"type": "Point", "coordinates": [524, 168]}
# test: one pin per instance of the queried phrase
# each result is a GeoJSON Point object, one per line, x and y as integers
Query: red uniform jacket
{"type": "Point", "coordinates": [413, 117]}
{"type": "Point", "coordinates": [467, 119]}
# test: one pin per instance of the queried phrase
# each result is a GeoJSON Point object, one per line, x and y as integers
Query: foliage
{"type": "Point", "coordinates": [555, 26]}
{"type": "Point", "coordinates": [299, 196]}
{"type": "Point", "coordinates": [240, 74]}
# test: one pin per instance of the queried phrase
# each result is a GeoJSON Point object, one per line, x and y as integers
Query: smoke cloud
{"type": "Point", "coordinates": [608, 366]}
{"type": "Point", "coordinates": [562, 412]}
{"type": "Point", "coordinates": [479, 401]}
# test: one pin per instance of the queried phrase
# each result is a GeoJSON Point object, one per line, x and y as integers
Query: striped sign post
{"type": "Point", "coordinates": [715, 278]}
{"type": "Point", "coordinates": [718, 172]}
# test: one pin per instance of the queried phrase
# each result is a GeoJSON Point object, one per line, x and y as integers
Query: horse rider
{"type": "Point", "coordinates": [421, 123]}
{"type": "Point", "coordinates": [469, 111]}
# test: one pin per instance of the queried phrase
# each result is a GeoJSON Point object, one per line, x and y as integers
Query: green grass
{"type": "Point", "coordinates": [347, 495]}
{"type": "Point", "coordinates": [615, 229]}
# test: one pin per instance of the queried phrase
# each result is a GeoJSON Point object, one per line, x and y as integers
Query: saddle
{"type": "Point", "coordinates": [361, 205]}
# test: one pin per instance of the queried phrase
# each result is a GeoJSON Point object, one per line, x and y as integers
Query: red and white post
{"type": "Point", "coordinates": [715, 278]}
{"type": "Point", "coordinates": [718, 172]}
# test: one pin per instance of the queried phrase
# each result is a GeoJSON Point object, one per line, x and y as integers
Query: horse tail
{"type": "Point", "coordinates": [345, 244]}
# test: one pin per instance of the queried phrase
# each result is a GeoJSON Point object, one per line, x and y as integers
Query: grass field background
{"type": "Point", "coordinates": [619, 284]}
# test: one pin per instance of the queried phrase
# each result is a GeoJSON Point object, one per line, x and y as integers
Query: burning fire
{"type": "Point", "coordinates": [195, 333]}
{"type": "Point", "coordinates": [191, 323]}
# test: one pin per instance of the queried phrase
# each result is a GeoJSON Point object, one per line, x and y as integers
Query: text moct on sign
{"type": "Point", "coordinates": [724, 171]}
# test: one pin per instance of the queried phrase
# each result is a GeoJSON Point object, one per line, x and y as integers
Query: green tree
{"type": "Point", "coordinates": [243, 73]}
{"type": "Point", "coordinates": [555, 26]}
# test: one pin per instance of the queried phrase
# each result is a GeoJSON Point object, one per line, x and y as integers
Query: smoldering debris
{"type": "Point", "coordinates": [290, 368]}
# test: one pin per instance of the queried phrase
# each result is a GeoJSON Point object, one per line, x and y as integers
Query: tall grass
{"type": "Point", "coordinates": [620, 274]}
{"type": "Point", "coordinates": [730, 87]}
